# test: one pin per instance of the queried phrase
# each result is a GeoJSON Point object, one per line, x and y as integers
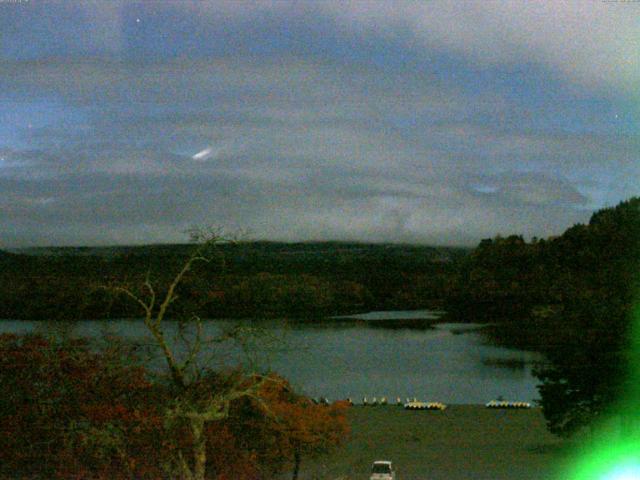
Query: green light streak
{"type": "Point", "coordinates": [616, 461]}
{"type": "Point", "coordinates": [613, 452]}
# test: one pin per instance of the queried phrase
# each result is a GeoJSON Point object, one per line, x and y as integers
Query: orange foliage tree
{"type": "Point", "coordinates": [285, 427]}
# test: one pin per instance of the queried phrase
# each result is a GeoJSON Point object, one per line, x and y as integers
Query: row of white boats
{"type": "Point", "coordinates": [415, 404]}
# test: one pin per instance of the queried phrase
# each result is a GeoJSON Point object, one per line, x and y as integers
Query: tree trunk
{"type": "Point", "coordinates": [199, 449]}
{"type": "Point", "coordinates": [296, 465]}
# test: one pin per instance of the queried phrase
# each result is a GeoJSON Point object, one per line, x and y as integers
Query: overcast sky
{"type": "Point", "coordinates": [439, 122]}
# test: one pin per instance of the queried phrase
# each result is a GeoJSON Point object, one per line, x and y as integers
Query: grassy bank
{"type": "Point", "coordinates": [463, 442]}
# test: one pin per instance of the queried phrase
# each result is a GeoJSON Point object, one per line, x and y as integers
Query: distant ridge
{"type": "Point", "coordinates": [437, 253]}
{"type": "Point", "coordinates": [265, 279]}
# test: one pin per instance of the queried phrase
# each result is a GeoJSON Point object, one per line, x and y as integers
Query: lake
{"type": "Point", "coordinates": [451, 363]}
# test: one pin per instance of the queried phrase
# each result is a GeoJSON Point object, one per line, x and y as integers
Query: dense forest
{"type": "Point", "coordinates": [541, 293]}
{"type": "Point", "coordinates": [570, 297]}
{"type": "Point", "coordinates": [247, 279]}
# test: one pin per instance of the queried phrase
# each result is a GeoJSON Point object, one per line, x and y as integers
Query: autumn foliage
{"type": "Point", "coordinates": [70, 411]}
{"type": "Point", "coordinates": [283, 427]}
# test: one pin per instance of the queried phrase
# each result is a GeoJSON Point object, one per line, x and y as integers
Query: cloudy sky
{"type": "Point", "coordinates": [439, 122]}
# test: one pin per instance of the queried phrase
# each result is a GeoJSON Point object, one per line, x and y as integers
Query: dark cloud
{"type": "Point", "coordinates": [306, 145]}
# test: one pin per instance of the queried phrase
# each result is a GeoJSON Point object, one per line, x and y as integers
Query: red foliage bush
{"type": "Point", "coordinates": [71, 412]}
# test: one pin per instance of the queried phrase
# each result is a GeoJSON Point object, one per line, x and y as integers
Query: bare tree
{"type": "Point", "coordinates": [193, 402]}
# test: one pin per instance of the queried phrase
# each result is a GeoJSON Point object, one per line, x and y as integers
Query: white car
{"type": "Point", "coordinates": [382, 470]}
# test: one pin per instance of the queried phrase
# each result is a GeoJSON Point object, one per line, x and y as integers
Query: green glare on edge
{"type": "Point", "coordinates": [613, 462]}
{"type": "Point", "coordinates": [612, 455]}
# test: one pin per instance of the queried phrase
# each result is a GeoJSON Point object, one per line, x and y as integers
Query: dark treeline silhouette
{"type": "Point", "coordinates": [570, 297]}
{"type": "Point", "coordinates": [251, 279]}
{"type": "Point", "coordinates": [531, 285]}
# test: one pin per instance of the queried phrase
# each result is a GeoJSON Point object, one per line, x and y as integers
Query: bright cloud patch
{"type": "Point", "coordinates": [203, 154]}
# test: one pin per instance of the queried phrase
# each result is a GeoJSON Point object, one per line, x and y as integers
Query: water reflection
{"type": "Point", "coordinates": [450, 363]}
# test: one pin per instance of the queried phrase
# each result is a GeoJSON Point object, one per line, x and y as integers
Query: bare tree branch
{"type": "Point", "coordinates": [134, 297]}
{"type": "Point", "coordinates": [196, 347]}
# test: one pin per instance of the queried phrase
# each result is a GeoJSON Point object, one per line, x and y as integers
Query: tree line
{"type": "Point", "coordinates": [570, 297]}
{"type": "Point", "coordinates": [247, 279]}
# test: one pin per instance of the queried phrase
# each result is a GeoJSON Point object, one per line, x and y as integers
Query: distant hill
{"type": "Point", "coordinates": [435, 253]}
{"type": "Point", "coordinates": [258, 278]}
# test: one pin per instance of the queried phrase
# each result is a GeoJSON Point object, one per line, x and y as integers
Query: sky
{"type": "Point", "coordinates": [432, 122]}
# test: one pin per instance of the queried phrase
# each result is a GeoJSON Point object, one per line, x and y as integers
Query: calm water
{"type": "Point", "coordinates": [450, 363]}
